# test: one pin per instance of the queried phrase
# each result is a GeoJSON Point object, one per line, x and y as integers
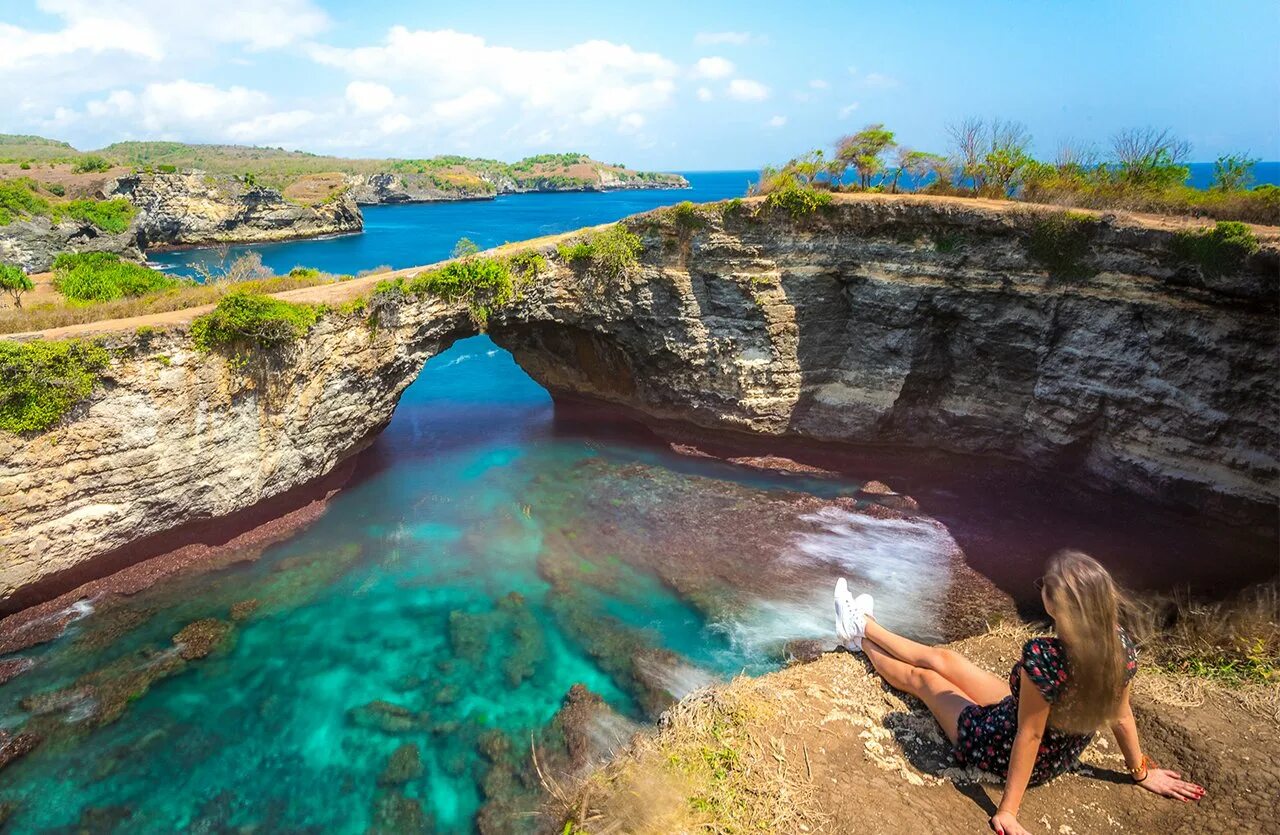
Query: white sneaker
{"type": "Point", "coordinates": [852, 614]}
{"type": "Point", "coordinates": [843, 635]}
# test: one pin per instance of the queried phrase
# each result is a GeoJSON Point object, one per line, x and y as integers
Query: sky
{"type": "Point", "coordinates": [669, 85]}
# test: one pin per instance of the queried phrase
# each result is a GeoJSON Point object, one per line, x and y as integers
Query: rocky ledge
{"type": "Point", "coordinates": [908, 321]}
{"type": "Point", "coordinates": [33, 244]}
{"type": "Point", "coordinates": [190, 208]}
{"type": "Point", "coordinates": [388, 187]}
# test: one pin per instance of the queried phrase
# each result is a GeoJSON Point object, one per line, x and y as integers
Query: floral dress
{"type": "Point", "coordinates": [985, 732]}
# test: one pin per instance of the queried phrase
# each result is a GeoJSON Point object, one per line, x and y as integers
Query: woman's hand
{"type": "Point", "coordinates": [1004, 823]}
{"type": "Point", "coordinates": [1168, 783]}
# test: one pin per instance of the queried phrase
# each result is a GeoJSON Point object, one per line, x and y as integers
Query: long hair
{"type": "Point", "coordinates": [1086, 610]}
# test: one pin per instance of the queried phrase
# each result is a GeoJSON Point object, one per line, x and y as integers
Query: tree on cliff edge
{"type": "Point", "coordinates": [14, 282]}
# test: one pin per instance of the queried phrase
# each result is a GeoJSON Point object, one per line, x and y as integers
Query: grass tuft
{"type": "Point", "coordinates": [613, 252]}
{"type": "Point", "coordinates": [88, 277]}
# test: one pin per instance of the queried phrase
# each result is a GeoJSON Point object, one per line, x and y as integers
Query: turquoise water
{"type": "Point", "coordinates": [402, 592]}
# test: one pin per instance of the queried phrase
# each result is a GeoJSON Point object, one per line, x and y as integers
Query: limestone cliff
{"type": "Point", "coordinates": [189, 208]}
{"type": "Point", "coordinates": [909, 321]}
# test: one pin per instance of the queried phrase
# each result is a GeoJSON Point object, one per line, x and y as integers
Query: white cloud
{"type": "Point", "coordinates": [879, 81]}
{"type": "Point", "coordinates": [589, 82]}
{"type": "Point", "coordinates": [631, 123]}
{"type": "Point", "coordinates": [847, 110]}
{"type": "Point", "coordinates": [716, 38]}
{"type": "Point", "coordinates": [271, 128]}
{"type": "Point", "coordinates": [819, 84]}
{"type": "Point", "coordinates": [776, 122]}
{"type": "Point", "coordinates": [713, 67]}
{"type": "Point", "coordinates": [705, 94]}
{"type": "Point", "coordinates": [744, 89]}
{"type": "Point", "coordinates": [369, 96]}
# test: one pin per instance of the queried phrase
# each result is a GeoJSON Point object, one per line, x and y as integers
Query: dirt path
{"type": "Point", "coordinates": [826, 747]}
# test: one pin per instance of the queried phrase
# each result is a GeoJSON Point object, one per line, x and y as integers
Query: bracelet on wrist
{"type": "Point", "coordinates": [1142, 770]}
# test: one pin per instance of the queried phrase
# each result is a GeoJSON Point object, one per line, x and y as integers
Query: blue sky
{"type": "Point", "coordinates": [676, 85]}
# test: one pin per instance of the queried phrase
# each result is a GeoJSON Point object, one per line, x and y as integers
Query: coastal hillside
{"type": "Point", "coordinates": [308, 178]}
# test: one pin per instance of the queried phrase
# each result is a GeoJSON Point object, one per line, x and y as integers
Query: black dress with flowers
{"type": "Point", "coordinates": [985, 732]}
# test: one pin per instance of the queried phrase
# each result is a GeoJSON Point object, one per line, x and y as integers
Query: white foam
{"type": "Point", "coordinates": [79, 610]}
{"type": "Point", "coordinates": [904, 563]}
{"type": "Point", "coordinates": [677, 678]}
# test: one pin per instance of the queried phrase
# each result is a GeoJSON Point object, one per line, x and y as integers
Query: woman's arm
{"type": "Point", "coordinates": [1033, 715]}
{"type": "Point", "coordinates": [1161, 781]}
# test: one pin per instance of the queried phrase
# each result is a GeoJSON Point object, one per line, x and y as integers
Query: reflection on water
{"type": "Point", "coordinates": [386, 666]}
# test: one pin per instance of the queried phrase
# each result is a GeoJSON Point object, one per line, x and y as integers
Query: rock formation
{"type": "Point", "coordinates": [189, 208]}
{"type": "Point", "coordinates": [909, 321]}
{"type": "Point", "coordinates": [33, 243]}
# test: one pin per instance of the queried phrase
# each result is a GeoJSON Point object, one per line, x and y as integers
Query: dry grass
{"type": "Point", "coordinates": [705, 770]}
{"type": "Point", "coordinates": [56, 315]}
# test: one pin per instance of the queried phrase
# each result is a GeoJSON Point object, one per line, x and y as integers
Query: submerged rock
{"type": "Point", "coordinates": [11, 668]}
{"type": "Point", "coordinates": [244, 609]}
{"type": "Point", "coordinates": [396, 814]}
{"type": "Point", "coordinates": [16, 746]}
{"type": "Point", "coordinates": [404, 764]}
{"type": "Point", "coordinates": [388, 717]}
{"type": "Point", "coordinates": [199, 638]}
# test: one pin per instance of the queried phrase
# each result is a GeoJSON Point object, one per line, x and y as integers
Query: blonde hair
{"type": "Point", "coordinates": [1086, 611]}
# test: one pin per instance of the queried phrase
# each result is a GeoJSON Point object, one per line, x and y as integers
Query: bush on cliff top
{"type": "Point", "coordinates": [102, 277]}
{"type": "Point", "coordinates": [252, 320]}
{"type": "Point", "coordinates": [1060, 243]}
{"type": "Point", "coordinates": [614, 251]}
{"type": "Point", "coordinates": [797, 200]}
{"type": "Point", "coordinates": [41, 380]}
{"type": "Point", "coordinates": [1219, 250]}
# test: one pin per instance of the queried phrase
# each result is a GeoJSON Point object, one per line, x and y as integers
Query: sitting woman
{"type": "Point", "coordinates": [1034, 726]}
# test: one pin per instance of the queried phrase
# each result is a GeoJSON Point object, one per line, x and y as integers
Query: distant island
{"type": "Point", "coordinates": [54, 197]}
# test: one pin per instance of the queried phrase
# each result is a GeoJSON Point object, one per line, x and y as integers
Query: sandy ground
{"type": "Point", "coordinates": [827, 747]}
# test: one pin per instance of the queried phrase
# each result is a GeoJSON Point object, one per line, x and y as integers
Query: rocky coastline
{"type": "Point", "coordinates": [855, 326]}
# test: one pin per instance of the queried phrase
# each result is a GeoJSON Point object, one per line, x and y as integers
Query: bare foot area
{"type": "Point", "coordinates": [827, 747]}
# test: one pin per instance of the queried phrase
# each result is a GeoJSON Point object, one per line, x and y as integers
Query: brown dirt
{"type": "Point", "coordinates": [310, 189]}
{"type": "Point", "coordinates": [826, 747]}
{"type": "Point", "coordinates": [88, 184]}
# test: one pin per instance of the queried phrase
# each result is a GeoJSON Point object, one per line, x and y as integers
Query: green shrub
{"type": "Point", "coordinates": [732, 208]}
{"type": "Point", "coordinates": [252, 320]}
{"type": "Point", "coordinates": [613, 252]}
{"type": "Point", "coordinates": [14, 282]}
{"type": "Point", "coordinates": [304, 272]}
{"type": "Point", "coordinates": [1060, 243]}
{"type": "Point", "coordinates": [1219, 250]}
{"type": "Point", "coordinates": [797, 200]}
{"type": "Point", "coordinates": [527, 265]}
{"type": "Point", "coordinates": [112, 216]}
{"type": "Point", "coordinates": [167, 169]}
{"type": "Point", "coordinates": [56, 189]}
{"type": "Point", "coordinates": [18, 198]}
{"type": "Point", "coordinates": [481, 282]}
{"type": "Point", "coordinates": [40, 381]}
{"type": "Point", "coordinates": [102, 276]}
{"type": "Point", "coordinates": [91, 163]}
{"type": "Point", "coordinates": [686, 217]}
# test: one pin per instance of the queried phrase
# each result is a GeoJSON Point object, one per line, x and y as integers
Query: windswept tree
{"type": "Point", "coordinates": [864, 151]}
{"type": "Point", "coordinates": [919, 166]}
{"type": "Point", "coordinates": [808, 166]}
{"type": "Point", "coordinates": [990, 153]}
{"type": "Point", "coordinates": [967, 138]}
{"type": "Point", "coordinates": [1233, 172]}
{"type": "Point", "coordinates": [1150, 157]}
{"type": "Point", "coordinates": [1075, 157]}
{"type": "Point", "coordinates": [14, 282]}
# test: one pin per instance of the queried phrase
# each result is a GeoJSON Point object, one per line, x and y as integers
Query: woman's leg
{"type": "Point", "coordinates": [982, 687]}
{"type": "Point", "coordinates": [945, 700]}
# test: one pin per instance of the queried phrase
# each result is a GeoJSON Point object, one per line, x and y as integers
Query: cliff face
{"type": "Point", "coordinates": [177, 436]}
{"type": "Point", "coordinates": [928, 324]}
{"type": "Point", "coordinates": [191, 208]}
{"type": "Point", "coordinates": [33, 244]}
{"type": "Point", "coordinates": [907, 321]}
